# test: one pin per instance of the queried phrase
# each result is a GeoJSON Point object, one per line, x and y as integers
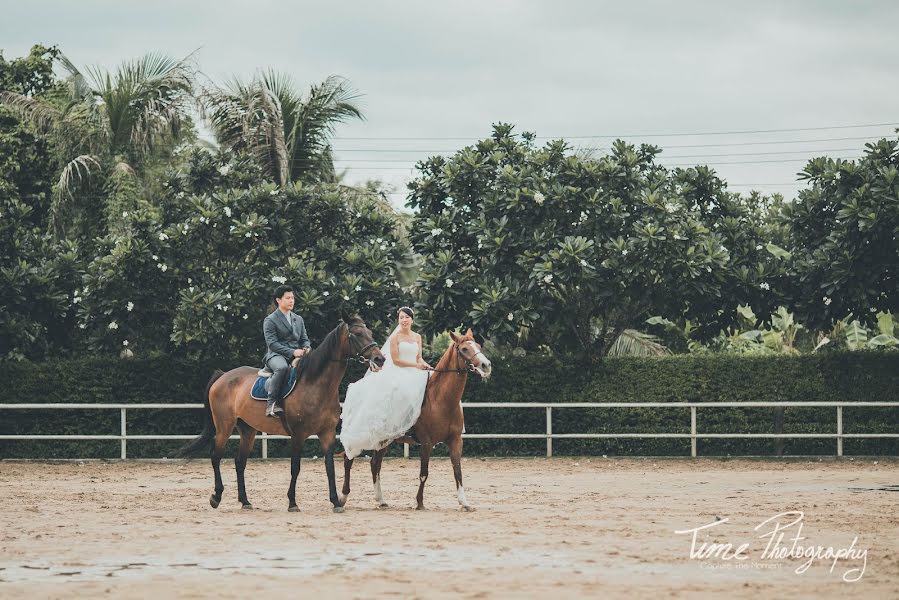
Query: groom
{"type": "Point", "coordinates": [285, 339]}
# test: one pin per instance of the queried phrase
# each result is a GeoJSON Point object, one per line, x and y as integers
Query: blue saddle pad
{"type": "Point", "coordinates": [259, 393]}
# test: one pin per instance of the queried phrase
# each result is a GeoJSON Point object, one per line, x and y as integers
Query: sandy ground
{"type": "Point", "coordinates": [562, 527]}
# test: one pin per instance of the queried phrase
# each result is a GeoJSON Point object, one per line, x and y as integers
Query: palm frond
{"type": "Point", "coordinates": [636, 343]}
{"type": "Point", "coordinates": [40, 113]}
{"type": "Point", "coordinates": [76, 171]}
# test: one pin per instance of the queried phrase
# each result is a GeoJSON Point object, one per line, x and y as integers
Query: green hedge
{"type": "Point", "coordinates": [849, 377]}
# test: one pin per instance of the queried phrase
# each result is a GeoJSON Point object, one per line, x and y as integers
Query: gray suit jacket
{"type": "Point", "coordinates": [283, 337]}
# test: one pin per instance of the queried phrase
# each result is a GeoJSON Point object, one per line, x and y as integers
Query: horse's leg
{"type": "Point", "coordinates": [247, 439]}
{"type": "Point", "coordinates": [296, 450]}
{"type": "Point", "coordinates": [376, 476]}
{"type": "Point", "coordinates": [423, 474]}
{"type": "Point", "coordinates": [347, 467]}
{"type": "Point", "coordinates": [218, 449]}
{"type": "Point", "coordinates": [455, 448]}
{"type": "Point", "coordinates": [327, 438]}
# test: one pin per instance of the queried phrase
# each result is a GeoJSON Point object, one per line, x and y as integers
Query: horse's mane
{"type": "Point", "coordinates": [317, 361]}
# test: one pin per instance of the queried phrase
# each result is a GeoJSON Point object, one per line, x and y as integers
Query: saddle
{"type": "Point", "coordinates": [262, 385]}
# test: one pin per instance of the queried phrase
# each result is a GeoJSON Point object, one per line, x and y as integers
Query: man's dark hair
{"type": "Point", "coordinates": [281, 290]}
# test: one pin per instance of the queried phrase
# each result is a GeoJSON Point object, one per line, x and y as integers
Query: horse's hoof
{"type": "Point", "coordinates": [247, 506]}
{"type": "Point", "coordinates": [469, 508]}
{"type": "Point", "coordinates": [339, 509]}
{"type": "Point", "coordinates": [420, 507]}
{"type": "Point", "coordinates": [213, 501]}
{"type": "Point", "coordinates": [383, 505]}
{"type": "Point", "coordinates": [293, 508]}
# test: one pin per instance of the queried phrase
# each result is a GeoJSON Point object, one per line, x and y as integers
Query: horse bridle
{"type": "Point", "coordinates": [470, 364]}
{"type": "Point", "coordinates": [360, 355]}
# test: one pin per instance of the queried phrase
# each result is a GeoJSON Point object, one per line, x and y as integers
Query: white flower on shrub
{"type": "Point", "coordinates": [130, 306]}
{"type": "Point", "coordinates": [477, 290]}
{"type": "Point", "coordinates": [548, 279]}
{"type": "Point", "coordinates": [113, 325]}
{"type": "Point", "coordinates": [326, 294]}
{"type": "Point", "coordinates": [827, 301]}
{"type": "Point", "coordinates": [247, 234]}
{"type": "Point", "coordinates": [449, 283]}
{"type": "Point", "coordinates": [219, 306]}
{"type": "Point", "coordinates": [764, 285]}
{"type": "Point", "coordinates": [758, 247]}
{"type": "Point", "coordinates": [227, 210]}
{"type": "Point", "coordinates": [124, 342]}
{"type": "Point", "coordinates": [358, 288]}
{"type": "Point", "coordinates": [369, 303]}
{"type": "Point", "coordinates": [163, 237]}
{"type": "Point", "coordinates": [436, 231]}
{"type": "Point", "coordinates": [124, 213]}
{"type": "Point", "coordinates": [279, 279]}
{"type": "Point", "coordinates": [82, 325]}
{"type": "Point", "coordinates": [510, 317]}
{"type": "Point", "coordinates": [273, 193]}
{"type": "Point", "coordinates": [347, 298]}
{"type": "Point", "coordinates": [583, 263]}
{"type": "Point", "coordinates": [245, 317]}
{"type": "Point", "coordinates": [538, 198]}
{"type": "Point", "coordinates": [162, 267]}
{"type": "Point", "coordinates": [225, 169]}
{"type": "Point", "coordinates": [154, 257]}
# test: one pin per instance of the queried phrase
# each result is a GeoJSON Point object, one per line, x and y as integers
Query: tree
{"type": "Point", "coordinates": [288, 133]}
{"type": "Point", "coordinates": [194, 274]}
{"type": "Point", "coordinates": [539, 246]}
{"type": "Point", "coordinates": [842, 238]}
{"type": "Point", "coordinates": [37, 273]}
{"type": "Point", "coordinates": [106, 124]}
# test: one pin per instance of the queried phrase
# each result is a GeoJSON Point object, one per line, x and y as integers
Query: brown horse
{"type": "Point", "coordinates": [441, 418]}
{"type": "Point", "coordinates": [312, 408]}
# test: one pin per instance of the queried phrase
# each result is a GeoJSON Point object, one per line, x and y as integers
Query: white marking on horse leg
{"type": "Point", "coordinates": [379, 497]}
{"type": "Point", "coordinates": [462, 500]}
{"type": "Point", "coordinates": [341, 497]}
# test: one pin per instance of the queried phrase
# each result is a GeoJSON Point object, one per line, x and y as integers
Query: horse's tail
{"type": "Point", "coordinates": [204, 440]}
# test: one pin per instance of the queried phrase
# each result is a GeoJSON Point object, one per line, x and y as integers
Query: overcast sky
{"type": "Point", "coordinates": [430, 70]}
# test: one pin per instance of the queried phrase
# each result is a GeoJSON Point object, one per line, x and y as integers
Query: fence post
{"type": "Point", "coordinates": [264, 445]}
{"type": "Point", "coordinates": [549, 432]}
{"type": "Point", "coordinates": [405, 450]}
{"type": "Point", "coordinates": [693, 431]}
{"type": "Point", "coordinates": [839, 431]}
{"type": "Point", "coordinates": [124, 433]}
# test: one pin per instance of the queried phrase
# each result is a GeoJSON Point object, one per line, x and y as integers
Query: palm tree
{"type": "Point", "coordinates": [108, 122]}
{"type": "Point", "coordinates": [289, 134]}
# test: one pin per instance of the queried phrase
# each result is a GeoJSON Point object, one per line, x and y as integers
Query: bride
{"type": "Point", "coordinates": [384, 405]}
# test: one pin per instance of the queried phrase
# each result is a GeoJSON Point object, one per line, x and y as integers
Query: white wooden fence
{"type": "Point", "coordinates": [549, 436]}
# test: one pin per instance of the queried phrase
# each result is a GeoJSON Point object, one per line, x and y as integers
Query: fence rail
{"type": "Point", "coordinates": [549, 436]}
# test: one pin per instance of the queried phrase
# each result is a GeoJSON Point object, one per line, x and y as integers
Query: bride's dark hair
{"type": "Point", "coordinates": [407, 310]}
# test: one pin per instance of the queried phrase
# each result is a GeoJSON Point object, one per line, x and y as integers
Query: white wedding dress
{"type": "Point", "coordinates": [383, 405]}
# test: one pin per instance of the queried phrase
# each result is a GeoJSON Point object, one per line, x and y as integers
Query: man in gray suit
{"type": "Point", "coordinates": [285, 339]}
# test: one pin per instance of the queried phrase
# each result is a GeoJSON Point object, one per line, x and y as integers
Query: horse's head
{"type": "Point", "coordinates": [471, 353]}
{"type": "Point", "coordinates": [362, 342]}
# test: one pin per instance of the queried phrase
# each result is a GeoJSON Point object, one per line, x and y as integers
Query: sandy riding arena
{"type": "Point", "coordinates": [559, 527]}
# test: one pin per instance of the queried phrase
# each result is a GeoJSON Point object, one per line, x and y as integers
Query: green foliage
{"type": "Point", "coordinates": [843, 238]}
{"type": "Point", "coordinates": [542, 246]}
{"type": "Point", "coordinates": [838, 376]}
{"type": "Point", "coordinates": [289, 133]}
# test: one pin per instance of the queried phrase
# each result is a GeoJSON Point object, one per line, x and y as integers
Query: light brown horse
{"type": "Point", "coordinates": [312, 408]}
{"type": "Point", "coordinates": [441, 418]}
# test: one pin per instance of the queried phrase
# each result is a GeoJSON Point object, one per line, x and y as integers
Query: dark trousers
{"type": "Point", "coordinates": [280, 367]}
